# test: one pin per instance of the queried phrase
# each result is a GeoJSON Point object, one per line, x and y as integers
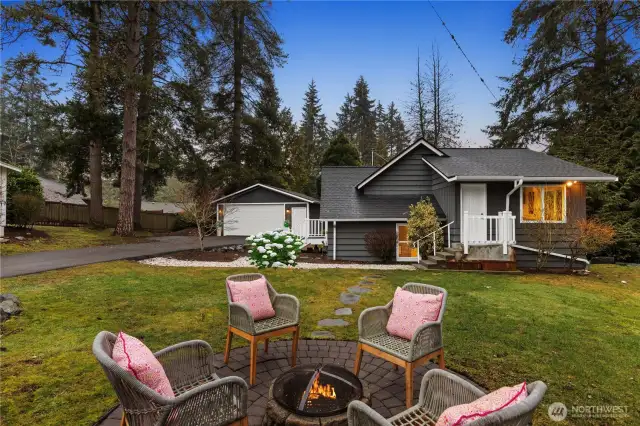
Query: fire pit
{"type": "Point", "coordinates": [312, 395]}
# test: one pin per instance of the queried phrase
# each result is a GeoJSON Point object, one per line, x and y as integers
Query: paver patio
{"type": "Point", "coordinates": [385, 384]}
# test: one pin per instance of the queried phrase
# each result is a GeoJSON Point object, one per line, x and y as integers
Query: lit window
{"type": "Point", "coordinates": [544, 203]}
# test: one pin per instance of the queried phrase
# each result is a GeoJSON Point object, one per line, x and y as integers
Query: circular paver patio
{"type": "Point", "coordinates": [385, 384]}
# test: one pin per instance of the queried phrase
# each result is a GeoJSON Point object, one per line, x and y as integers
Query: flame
{"type": "Point", "coordinates": [318, 390]}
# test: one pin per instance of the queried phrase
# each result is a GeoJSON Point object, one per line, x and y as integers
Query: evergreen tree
{"type": "Point", "coordinates": [364, 119]}
{"type": "Point", "coordinates": [381, 153]}
{"type": "Point", "coordinates": [344, 122]}
{"type": "Point", "coordinates": [314, 123]}
{"type": "Point", "coordinates": [397, 135]}
{"type": "Point", "coordinates": [341, 152]}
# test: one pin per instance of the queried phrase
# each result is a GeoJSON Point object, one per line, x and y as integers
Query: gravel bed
{"type": "Point", "coordinates": [243, 262]}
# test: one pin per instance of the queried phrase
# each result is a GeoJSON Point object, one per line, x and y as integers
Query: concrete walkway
{"type": "Point", "coordinates": [33, 263]}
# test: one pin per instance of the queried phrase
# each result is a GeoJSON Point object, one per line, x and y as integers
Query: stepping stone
{"type": "Point", "coordinates": [359, 290]}
{"type": "Point", "coordinates": [366, 282]}
{"type": "Point", "coordinates": [349, 298]}
{"type": "Point", "coordinates": [343, 311]}
{"type": "Point", "coordinates": [333, 322]}
{"type": "Point", "coordinates": [376, 276]}
{"type": "Point", "coordinates": [322, 334]}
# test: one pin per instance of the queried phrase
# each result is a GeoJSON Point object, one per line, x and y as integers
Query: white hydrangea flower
{"type": "Point", "coordinates": [289, 261]}
{"type": "Point", "coordinates": [289, 240]}
{"type": "Point", "coordinates": [266, 262]}
{"type": "Point", "coordinates": [264, 256]}
{"type": "Point", "coordinates": [262, 249]}
{"type": "Point", "coordinates": [253, 244]}
{"type": "Point", "coordinates": [259, 234]}
{"type": "Point", "coordinates": [289, 246]}
{"type": "Point", "coordinates": [278, 264]}
{"type": "Point", "coordinates": [250, 238]}
{"type": "Point", "coordinates": [272, 254]}
{"type": "Point", "coordinates": [250, 251]}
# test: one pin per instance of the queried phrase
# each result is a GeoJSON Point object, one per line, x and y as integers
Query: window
{"type": "Point", "coordinates": [543, 203]}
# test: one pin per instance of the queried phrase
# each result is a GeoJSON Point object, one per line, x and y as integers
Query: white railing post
{"type": "Point", "coordinates": [434, 243]}
{"type": "Point", "coordinates": [449, 235]}
{"type": "Point", "coordinates": [505, 232]}
{"type": "Point", "coordinates": [465, 237]}
{"type": "Point", "coordinates": [418, 251]}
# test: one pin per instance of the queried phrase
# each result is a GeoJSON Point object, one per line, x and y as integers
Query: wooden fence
{"type": "Point", "coordinates": [62, 214]}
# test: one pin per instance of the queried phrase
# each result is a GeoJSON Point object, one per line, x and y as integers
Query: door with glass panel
{"type": "Point", "coordinates": [405, 250]}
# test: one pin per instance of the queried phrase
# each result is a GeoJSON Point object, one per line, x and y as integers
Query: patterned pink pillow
{"type": "Point", "coordinates": [132, 355]}
{"type": "Point", "coordinates": [410, 311]}
{"type": "Point", "coordinates": [255, 295]}
{"type": "Point", "coordinates": [459, 415]}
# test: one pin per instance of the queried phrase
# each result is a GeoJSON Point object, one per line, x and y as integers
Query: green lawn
{"type": "Point", "coordinates": [580, 335]}
{"type": "Point", "coordinates": [64, 238]}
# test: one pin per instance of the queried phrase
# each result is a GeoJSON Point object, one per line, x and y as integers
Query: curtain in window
{"type": "Point", "coordinates": [531, 203]}
{"type": "Point", "coordinates": [553, 208]}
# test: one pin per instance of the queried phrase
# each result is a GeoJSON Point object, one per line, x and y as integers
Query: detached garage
{"type": "Point", "coordinates": [262, 208]}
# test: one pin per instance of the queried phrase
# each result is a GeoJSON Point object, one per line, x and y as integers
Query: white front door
{"type": "Point", "coordinates": [249, 219]}
{"type": "Point", "coordinates": [473, 199]}
{"type": "Point", "coordinates": [299, 221]}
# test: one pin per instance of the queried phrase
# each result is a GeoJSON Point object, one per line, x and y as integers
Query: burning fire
{"type": "Point", "coordinates": [317, 390]}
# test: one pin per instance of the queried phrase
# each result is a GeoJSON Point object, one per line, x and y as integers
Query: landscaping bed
{"type": "Point", "coordinates": [578, 334]}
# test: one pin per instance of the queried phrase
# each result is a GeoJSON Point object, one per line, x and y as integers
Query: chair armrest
{"type": "Point", "coordinates": [373, 321]}
{"type": "Point", "coordinates": [224, 400]}
{"type": "Point", "coordinates": [360, 414]}
{"type": "Point", "coordinates": [240, 317]}
{"type": "Point", "coordinates": [427, 338]}
{"type": "Point", "coordinates": [441, 389]}
{"type": "Point", "coordinates": [187, 361]}
{"type": "Point", "coordinates": [287, 306]}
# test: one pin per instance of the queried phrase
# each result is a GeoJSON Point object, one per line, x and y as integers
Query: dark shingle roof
{"type": "Point", "coordinates": [340, 198]}
{"type": "Point", "coordinates": [508, 162]}
{"type": "Point", "coordinates": [294, 193]}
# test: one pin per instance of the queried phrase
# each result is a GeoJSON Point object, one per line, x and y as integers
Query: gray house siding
{"type": "Point", "coordinates": [314, 211]}
{"type": "Point", "coordinates": [261, 195]}
{"type": "Point", "coordinates": [409, 176]}
{"type": "Point", "coordinates": [350, 239]}
{"type": "Point", "coordinates": [448, 196]}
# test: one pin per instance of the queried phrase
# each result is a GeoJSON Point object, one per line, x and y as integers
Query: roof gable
{"type": "Point", "coordinates": [291, 194]}
{"type": "Point", "coordinates": [420, 142]}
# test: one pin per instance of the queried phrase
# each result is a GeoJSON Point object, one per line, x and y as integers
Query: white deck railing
{"type": "Point", "coordinates": [433, 235]}
{"type": "Point", "coordinates": [489, 229]}
{"type": "Point", "coordinates": [311, 228]}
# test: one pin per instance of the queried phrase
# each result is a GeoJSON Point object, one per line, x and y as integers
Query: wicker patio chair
{"type": "Point", "coordinates": [241, 323]}
{"type": "Point", "coordinates": [440, 390]}
{"type": "Point", "coordinates": [425, 344]}
{"type": "Point", "coordinates": [202, 398]}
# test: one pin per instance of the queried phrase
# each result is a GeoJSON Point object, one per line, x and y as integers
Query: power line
{"type": "Point", "coordinates": [460, 48]}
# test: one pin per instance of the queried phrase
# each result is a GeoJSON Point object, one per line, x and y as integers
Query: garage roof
{"type": "Point", "coordinates": [293, 194]}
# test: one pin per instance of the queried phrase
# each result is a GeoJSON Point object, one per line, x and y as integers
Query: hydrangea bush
{"type": "Point", "coordinates": [275, 249]}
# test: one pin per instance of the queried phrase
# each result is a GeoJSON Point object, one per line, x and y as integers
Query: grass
{"type": "Point", "coordinates": [64, 238]}
{"type": "Point", "coordinates": [580, 335]}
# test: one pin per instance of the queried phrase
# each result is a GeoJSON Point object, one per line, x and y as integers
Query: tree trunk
{"type": "Point", "coordinates": [143, 139]}
{"type": "Point", "coordinates": [128, 170]}
{"type": "Point", "coordinates": [96, 217]}
{"type": "Point", "coordinates": [238, 61]}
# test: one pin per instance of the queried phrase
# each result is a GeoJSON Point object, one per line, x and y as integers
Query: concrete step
{"type": "Point", "coordinates": [430, 264]}
{"type": "Point", "coordinates": [427, 262]}
{"type": "Point", "coordinates": [453, 250]}
{"type": "Point", "coordinates": [445, 254]}
{"type": "Point", "coordinates": [437, 259]}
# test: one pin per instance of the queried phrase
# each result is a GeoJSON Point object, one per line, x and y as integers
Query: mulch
{"type": "Point", "coordinates": [11, 233]}
{"type": "Point", "coordinates": [208, 256]}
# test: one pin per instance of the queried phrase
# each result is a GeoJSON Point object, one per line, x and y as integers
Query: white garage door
{"type": "Point", "coordinates": [249, 219]}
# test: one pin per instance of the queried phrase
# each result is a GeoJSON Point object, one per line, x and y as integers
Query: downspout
{"type": "Point", "coordinates": [334, 240]}
{"type": "Point", "coordinates": [516, 185]}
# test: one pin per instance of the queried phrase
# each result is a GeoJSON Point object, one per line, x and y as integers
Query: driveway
{"type": "Point", "coordinates": [33, 263]}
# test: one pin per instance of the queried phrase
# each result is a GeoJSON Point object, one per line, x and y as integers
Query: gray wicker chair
{"type": "Point", "coordinates": [241, 323]}
{"type": "Point", "coordinates": [440, 390]}
{"type": "Point", "coordinates": [201, 397]}
{"type": "Point", "coordinates": [409, 354]}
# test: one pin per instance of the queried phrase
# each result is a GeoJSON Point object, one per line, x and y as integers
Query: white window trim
{"type": "Point", "coordinates": [542, 187]}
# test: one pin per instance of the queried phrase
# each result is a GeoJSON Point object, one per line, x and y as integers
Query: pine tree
{"type": "Point", "coordinates": [344, 122]}
{"type": "Point", "coordinates": [397, 135]}
{"type": "Point", "coordinates": [364, 119]}
{"type": "Point", "coordinates": [341, 152]}
{"type": "Point", "coordinates": [381, 153]}
{"type": "Point", "coordinates": [314, 123]}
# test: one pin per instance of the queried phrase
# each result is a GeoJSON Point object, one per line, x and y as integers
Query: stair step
{"type": "Point", "coordinates": [453, 250]}
{"type": "Point", "coordinates": [445, 254]}
{"type": "Point", "coordinates": [427, 262]}
{"type": "Point", "coordinates": [437, 259]}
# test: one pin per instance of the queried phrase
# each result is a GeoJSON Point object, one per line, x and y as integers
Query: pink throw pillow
{"type": "Point", "coordinates": [459, 415]}
{"type": "Point", "coordinates": [255, 295]}
{"type": "Point", "coordinates": [411, 310]}
{"type": "Point", "coordinates": [132, 355]}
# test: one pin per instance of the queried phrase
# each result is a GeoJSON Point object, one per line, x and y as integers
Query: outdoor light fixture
{"type": "Point", "coordinates": [569, 183]}
{"type": "Point", "coordinates": [288, 210]}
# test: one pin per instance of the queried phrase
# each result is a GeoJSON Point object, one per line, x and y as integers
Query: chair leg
{"type": "Point", "coordinates": [294, 347]}
{"type": "Point", "coordinates": [227, 347]}
{"type": "Point", "coordinates": [253, 361]}
{"type": "Point", "coordinates": [408, 383]}
{"type": "Point", "coordinates": [395, 367]}
{"type": "Point", "coordinates": [356, 365]}
{"type": "Point", "coordinates": [441, 359]}
{"type": "Point", "coordinates": [266, 346]}
{"type": "Point", "coordinates": [123, 421]}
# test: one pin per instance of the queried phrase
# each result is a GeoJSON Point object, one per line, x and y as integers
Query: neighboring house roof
{"type": "Point", "coordinates": [152, 206]}
{"type": "Point", "coordinates": [56, 192]}
{"type": "Point", "coordinates": [418, 142]}
{"type": "Point", "coordinates": [9, 166]}
{"type": "Point", "coordinates": [342, 201]}
{"type": "Point", "coordinates": [503, 164]}
{"type": "Point", "coordinates": [293, 194]}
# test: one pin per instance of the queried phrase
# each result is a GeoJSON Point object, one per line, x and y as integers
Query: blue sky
{"type": "Point", "coordinates": [334, 42]}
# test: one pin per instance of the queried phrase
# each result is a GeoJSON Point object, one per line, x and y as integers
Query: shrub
{"type": "Point", "coordinates": [25, 209]}
{"type": "Point", "coordinates": [276, 249]}
{"type": "Point", "coordinates": [423, 220]}
{"type": "Point", "coordinates": [24, 182]}
{"type": "Point", "coordinates": [589, 236]}
{"type": "Point", "coordinates": [381, 243]}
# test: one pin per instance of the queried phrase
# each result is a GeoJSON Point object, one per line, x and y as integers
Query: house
{"type": "Point", "coordinates": [261, 208]}
{"type": "Point", "coordinates": [4, 170]}
{"type": "Point", "coordinates": [488, 201]}
{"type": "Point", "coordinates": [56, 192]}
